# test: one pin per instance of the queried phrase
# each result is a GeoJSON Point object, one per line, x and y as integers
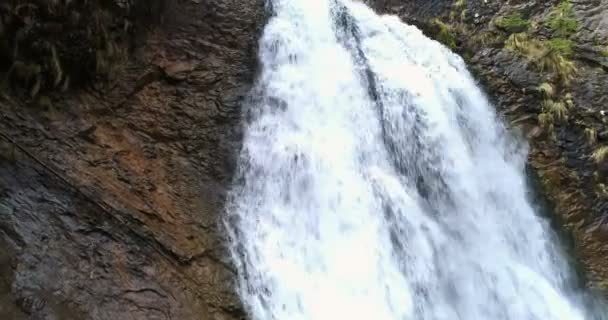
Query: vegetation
{"type": "Point", "coordinates": [562, 19]}
{"type": "Point", "coordinates": [561, 46]}
{"type": "Point", "coordinates": [445, 34]}
{"type": "Point", "coordinates": [458, 4]}
{"type": "Point", "coordinates": [486, 38]}
{"type": "Point", "coordinates": [591, 135]}
{"type": "Point", "coordinates": [558, 64]}
{"type": "Point", "coordinates": [546, 121]}
{"type": "Point", "coordinates": [45, 46]}
{"type": "Point", "coordinates": [547, 57]}
{"type": "Point", "coordinates": [557, 109]}
{"type": "Point", "coordinates": [513, 23]}
{"type": "Point", "coordinates": [600, 154]}
{"type": "Point", "coordinates": [546, 89]}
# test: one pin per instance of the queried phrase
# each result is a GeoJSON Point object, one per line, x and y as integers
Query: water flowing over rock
{"type": "Point", "coordinates": [376, 182]}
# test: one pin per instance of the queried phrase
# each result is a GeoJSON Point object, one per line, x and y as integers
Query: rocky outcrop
{"type": "Point", "coordinates": [544, 63]}
{"type": "Point", "coordinates": [110, 192]}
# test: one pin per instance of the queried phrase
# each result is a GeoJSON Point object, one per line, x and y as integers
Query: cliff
{"type": "Point", "coordinates": [119, 128]}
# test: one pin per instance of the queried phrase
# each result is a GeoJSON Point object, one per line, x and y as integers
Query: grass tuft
{"type": "Point", "coordinates": [558, 109]}
{"type": "Point", "coordinates": [546, 89]}
{"type": "Point", "coordinates": [543, 55]}
{"type": "Point", "coordinates": [591, 136]}
{"type": "Point", "coordinates": [600, 154]}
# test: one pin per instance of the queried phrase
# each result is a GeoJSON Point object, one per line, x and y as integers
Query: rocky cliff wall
{"type": "Point", "coordinates": [111, 186]}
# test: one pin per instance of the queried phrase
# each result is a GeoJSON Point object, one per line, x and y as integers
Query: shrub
{"type": "Point", "coordinates": [562, 19]}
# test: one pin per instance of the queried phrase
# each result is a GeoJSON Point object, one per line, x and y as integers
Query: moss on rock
{"type": "Point", "coordinates": [513, 23]}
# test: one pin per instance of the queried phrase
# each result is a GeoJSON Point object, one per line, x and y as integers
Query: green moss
{"type": "Point", "coordinates": [562, 19]}
{"type": "Point", "coordinates": [513, 23]}
{"type": "Point", "coordinates": [561, 45]}
{"type": "Point", "coordinates": [444, 34]}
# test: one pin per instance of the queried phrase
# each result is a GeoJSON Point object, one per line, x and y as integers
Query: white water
{"type": "Point", "coordinates": [376, 182]}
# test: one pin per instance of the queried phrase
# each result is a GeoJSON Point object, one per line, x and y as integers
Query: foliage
{"type": "Point", "coordinates": [543, 55]}
{"type": "Point", "coordinates": [513, 22]}
{"type": "Point", "coordinates": [444, 34]}
{"type": "Point", "coordinates": [562, 19]}
{"type": "Point", "coordinates": [561, 46]}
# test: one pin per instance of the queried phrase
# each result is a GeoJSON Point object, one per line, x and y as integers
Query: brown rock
{"type": "Point", "coordinates": [110, 203]}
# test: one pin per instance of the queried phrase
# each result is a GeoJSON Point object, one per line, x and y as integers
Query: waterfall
{"type": "Point", "coordinates": [376, 182]}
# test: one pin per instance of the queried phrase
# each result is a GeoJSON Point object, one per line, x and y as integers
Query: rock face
{"type": "Point", "coordinates": [545, 65]}
{"type": "Point", "coordinates": [117, 144]}
{"type": "Point", "coordinates": [110, 192]}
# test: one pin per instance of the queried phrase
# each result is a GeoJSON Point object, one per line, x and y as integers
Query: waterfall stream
{"type": "Point", "coordinates": [376, 182]}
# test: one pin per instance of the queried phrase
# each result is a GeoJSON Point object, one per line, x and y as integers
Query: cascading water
{"type": "Point", "coordinates": [375, 182]}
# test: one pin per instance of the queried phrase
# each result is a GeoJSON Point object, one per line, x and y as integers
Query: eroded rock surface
{"type": "Point", "coordinates": [110, 196]}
